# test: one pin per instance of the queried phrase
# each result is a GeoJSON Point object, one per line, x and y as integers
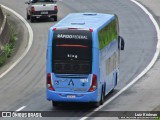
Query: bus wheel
{"type": "Point", "coordinates": [102, 97]}
{"type": "Point", "coordinates": [54, 104]}
{"type": "Point", "coordinates": [114, 84]}
{"type": "Point", "coordinates": [97, 104]}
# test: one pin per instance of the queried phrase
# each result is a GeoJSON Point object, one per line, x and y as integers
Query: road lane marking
{"type": "Point", "coordinates": [29, 42]}
{"type": "Point", "coordinates": [144, 71]}
{"type": "Point", "coordinates": [21, 108]}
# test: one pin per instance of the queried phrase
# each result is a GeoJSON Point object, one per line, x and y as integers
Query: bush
{"type": "Point", "coordinates": [9, 47]}
{"type": "Point", "coordinates": [8, 50]}
{"type": "Point", "coordinates": [2, 59]}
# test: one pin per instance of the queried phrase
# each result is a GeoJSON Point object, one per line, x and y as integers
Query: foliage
{"type": "Point", "coordinates": [8, 48]}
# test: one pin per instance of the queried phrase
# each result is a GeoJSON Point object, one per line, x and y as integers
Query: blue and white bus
{"type": "Point", "coordinates": [83, 56]}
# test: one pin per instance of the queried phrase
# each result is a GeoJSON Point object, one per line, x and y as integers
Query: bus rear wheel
{"type": "Point", "coordinates": [97, 104]}
{"type": "Point", "coordinates": [102, 96]}
{"type": "Point", "coordinates": [115, 83]}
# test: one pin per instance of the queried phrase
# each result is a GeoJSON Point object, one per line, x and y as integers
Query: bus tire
{"type": "Point", "coordinates": [102, 96]}
{"type": "Point", "coordinates": [97, 104]}
{"type": "Point", "coordinates": [54, 104]}
{"type": "Point", "coordinates": [116, 80]}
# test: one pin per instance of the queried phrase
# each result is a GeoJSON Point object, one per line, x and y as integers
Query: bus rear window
{"type": "Point", "coordinates": [72, 52]}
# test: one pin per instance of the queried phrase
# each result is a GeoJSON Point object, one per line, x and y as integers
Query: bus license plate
{"type": "Point", "coordinates": [44, 12]}
{"type": "Point", "coordinates": [71, 96]}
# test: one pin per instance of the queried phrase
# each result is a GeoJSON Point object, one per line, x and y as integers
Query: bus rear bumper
{"type": "Point", "coordinates": [72, 97]}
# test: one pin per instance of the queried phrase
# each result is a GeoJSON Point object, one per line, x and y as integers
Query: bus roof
{"type": "Point", "coordinates": [85, 20]}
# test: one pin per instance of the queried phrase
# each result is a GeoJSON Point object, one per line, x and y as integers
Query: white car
{"type": "Point", "coordinates": [41, 8]}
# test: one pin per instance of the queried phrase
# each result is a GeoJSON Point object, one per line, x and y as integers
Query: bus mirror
{"type": "Point", "coordinates": [121, 43]}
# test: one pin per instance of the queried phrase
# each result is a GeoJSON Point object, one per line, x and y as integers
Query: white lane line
{"type": "Point", "coordinates": [21, 108]}
{"type": "Point", "coordinates": [29, 42]}
{"type": "Point", "coordinates": [144, 71]}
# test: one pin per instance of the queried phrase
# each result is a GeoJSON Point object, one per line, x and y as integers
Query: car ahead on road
{"type": "Point", "coordinates": [41, 8]}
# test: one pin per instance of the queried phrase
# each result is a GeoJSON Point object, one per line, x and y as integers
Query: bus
{"type": "Point", "coordinates": [83, 56]}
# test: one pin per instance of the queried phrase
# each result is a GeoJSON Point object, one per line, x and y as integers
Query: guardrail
{"type": "Point", "coordinates": [4, 31]}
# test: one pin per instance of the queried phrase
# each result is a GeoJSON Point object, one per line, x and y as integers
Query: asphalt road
{"type": "Point", "coordinates": [25, 84]}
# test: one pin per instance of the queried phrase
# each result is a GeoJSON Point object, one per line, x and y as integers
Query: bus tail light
{"type": "Point", "coordinates": [54, 29]}
{"type": "Point", "coordinates": [49, 82]}
{"type": "Point", "coordinates": [94, 84]}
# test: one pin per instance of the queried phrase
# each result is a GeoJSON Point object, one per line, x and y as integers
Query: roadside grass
{"type": "Point", "coordinates": [8, 48]}
{"type": "Point", "coordinates": [158, 118]}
